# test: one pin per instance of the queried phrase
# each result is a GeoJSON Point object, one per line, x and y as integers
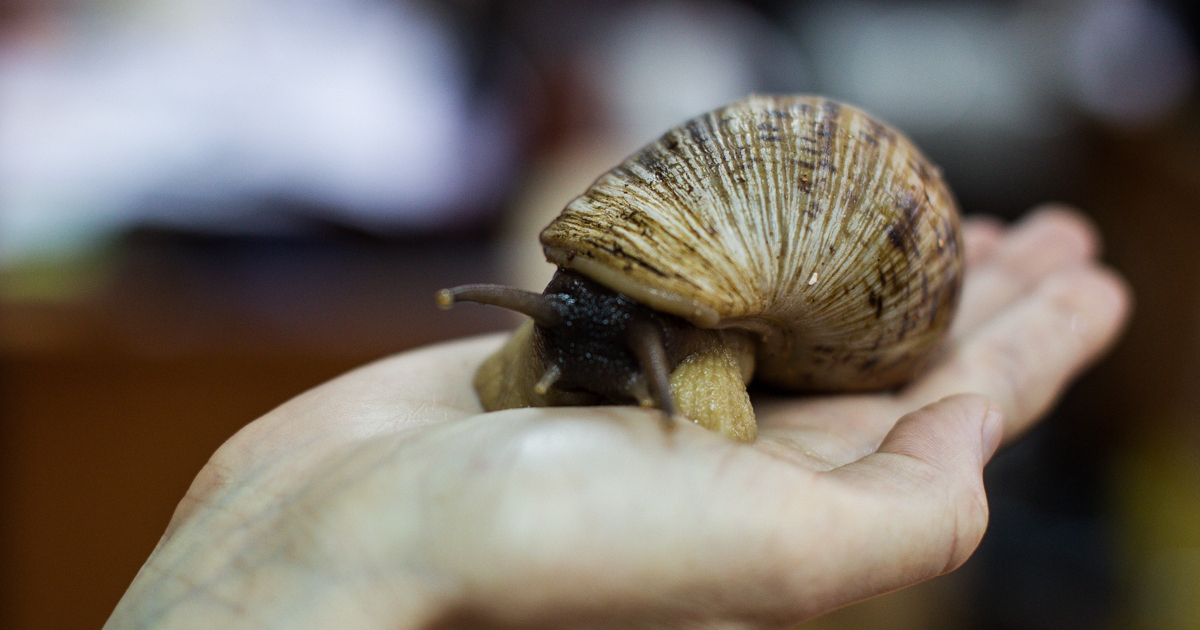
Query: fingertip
{"type": "Point", "coordinates": [1057, 211]}
{"type": "Point", "coordinates": [941, 433]}
{"type": "Point", "coordinates": [981, 235]}
{"type": "Point", "coordinates": [1120, 292]}
{"type": "Point", "coordinates": [1089, 295]}
{"type": "Point", "coordinates": [1110, 303]}
{"type": "Point", "coordinates": [982, 224]}
{"type": "Point", "coordinates": [949, 409]}
{"type": "Point", "coordinates": [1070, 226]}
{"type": "Point", "coordinates": [1094, 305]}
{"type": "Point", "coordinates": [993, 430]}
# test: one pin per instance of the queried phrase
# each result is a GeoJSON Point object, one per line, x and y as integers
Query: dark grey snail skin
{"type": "Point", "coordinates": [792, 239]}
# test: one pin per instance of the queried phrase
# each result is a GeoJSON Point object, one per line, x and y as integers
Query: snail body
{"type": "Point", "coordinates": [791, 239]}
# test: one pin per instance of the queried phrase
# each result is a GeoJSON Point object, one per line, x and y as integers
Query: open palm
{"type": "Point", "coordinates": [385, 499]}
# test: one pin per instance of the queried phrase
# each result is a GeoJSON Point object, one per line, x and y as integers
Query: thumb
{"type": "Point", "coordinates": [926, 481]}
{"type": "Point", "coordinates": [955, 434]}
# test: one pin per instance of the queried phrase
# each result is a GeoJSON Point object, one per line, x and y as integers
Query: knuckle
{"type": "Point", "coordinates": [1006, 363]}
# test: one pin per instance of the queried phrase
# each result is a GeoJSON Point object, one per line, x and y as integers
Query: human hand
{"type": "Point", "coordinates": [385, 499]}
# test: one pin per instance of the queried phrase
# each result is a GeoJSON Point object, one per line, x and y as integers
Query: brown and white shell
{"type": "Point", "coordinates": [807, 222]}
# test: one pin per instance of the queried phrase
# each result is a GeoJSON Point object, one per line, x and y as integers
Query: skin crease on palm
{"type": "Point", "coordinates": [385, 499]}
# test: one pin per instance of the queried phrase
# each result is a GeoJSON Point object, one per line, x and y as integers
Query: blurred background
{"type": "Point", "coordinates": [208, 206]}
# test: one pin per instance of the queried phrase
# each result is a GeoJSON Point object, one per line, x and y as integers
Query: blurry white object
{"type": "Point", "coordinates": [995, 91]}
{"type": "Point", "coordinates": [929, 67]}
{"type": "Point", "coordinates": [976, 85]}
{"type": "Point", "coordinates": [932, 67]}
{"type": "Point", "coordinates": [665, 61]}
{"type": "Point", "coordinates": [1130, 63]}
{"type": "Point", "coordinates": [358, 106]}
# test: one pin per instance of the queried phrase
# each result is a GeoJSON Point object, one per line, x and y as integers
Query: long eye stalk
{"type": "Point", "coordinates": [535, 305]}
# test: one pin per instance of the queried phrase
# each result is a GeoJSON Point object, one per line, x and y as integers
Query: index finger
{"type": "Point", "coordinates": [1025, 355]}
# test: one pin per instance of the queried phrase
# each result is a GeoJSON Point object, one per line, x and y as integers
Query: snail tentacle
{"type": "Point", "coordinates": [646, 341]}
{"type": "Point", "coordinates": [549, 378]}
{"type": "Point", "coordinates": [534, 305]}
{"type": "Point", "coordinates": [641, 393]}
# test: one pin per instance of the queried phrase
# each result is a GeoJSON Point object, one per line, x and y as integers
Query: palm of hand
{"type": "Point", "coordinates": [385, 498]}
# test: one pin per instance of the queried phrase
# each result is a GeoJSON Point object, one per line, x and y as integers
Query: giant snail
{"type": "Point", "coordinates": [791, 239]}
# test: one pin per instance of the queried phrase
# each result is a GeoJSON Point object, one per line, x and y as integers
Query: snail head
{"type": "Point", "coordinates": [591, 339]}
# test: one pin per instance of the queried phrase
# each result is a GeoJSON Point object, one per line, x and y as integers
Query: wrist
{"type": "Point", "coordinates": [274, 580]}
{"type": "Point", "coordinates": [368, 599]}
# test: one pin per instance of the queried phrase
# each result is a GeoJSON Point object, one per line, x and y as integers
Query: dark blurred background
{"type": "Point", "coordinates": [208, 206]}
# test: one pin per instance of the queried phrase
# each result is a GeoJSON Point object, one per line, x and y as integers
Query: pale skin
{"type": "Point", "coordinates": [385, 499]}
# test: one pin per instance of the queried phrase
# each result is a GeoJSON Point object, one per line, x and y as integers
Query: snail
{"type": "Point", "coordinates": [794, 240]}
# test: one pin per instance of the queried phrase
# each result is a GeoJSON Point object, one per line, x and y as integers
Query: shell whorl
{"type": "Point", "coordinates": [806, 221]}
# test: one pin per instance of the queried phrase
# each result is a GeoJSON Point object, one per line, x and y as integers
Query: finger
{"type": "Point", "coordinates": [922, 491]}
{"type": "Point", "coordinates": [1025, 356]}
{"type": "Point", "coordinates": [981, 235]}
{"type": "Point", "coordinates": [1052, 238]}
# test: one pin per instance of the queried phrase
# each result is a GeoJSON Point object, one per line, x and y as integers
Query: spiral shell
{"type": "Point", "coordinates": [818, 228]}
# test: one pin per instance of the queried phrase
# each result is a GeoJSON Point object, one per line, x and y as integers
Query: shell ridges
{"type": "Point", "coordinates": [726, 218]}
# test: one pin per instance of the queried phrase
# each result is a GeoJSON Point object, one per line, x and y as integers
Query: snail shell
{"type": "Point", "coordinates": [803, 220]}
{"type": "Point", "coordinates": [818, 242]}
